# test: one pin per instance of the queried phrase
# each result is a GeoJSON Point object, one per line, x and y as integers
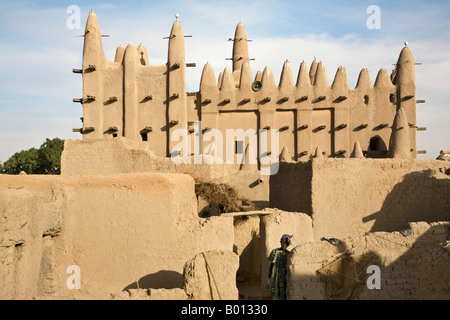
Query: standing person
{"type": "Point", "coordinates": [277, 271]}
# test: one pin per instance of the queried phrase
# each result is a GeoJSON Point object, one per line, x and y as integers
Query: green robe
{"type": "Point", "coordinates": [278, 277]}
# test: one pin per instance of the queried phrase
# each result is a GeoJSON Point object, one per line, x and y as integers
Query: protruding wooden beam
{"type": "Point", "coordinates": [321, 98]}
{"type": "Point", "coordinates": [341, 126]}
{"type": "Point", "coordinates": [147, 129]}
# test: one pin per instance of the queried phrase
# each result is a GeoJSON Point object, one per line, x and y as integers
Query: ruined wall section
{"type": "Point", "coordinates": [121, 155]}
{"type": "Point", "coordinates": [256, 234]}
{"type": "Point", "coordinates": [123, 232]}
{"type": "Point", "coordinates": [290, 188]}
{"type": "Point", "coordinates": [413, 264]}
{"type": "Point", "coordinates": [31, 218]}
{"type": "Point", "coordinates": [349, 197]}
{"type": "Point", "coordinates": [355, 196]}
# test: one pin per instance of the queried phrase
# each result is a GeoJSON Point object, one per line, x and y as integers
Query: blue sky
{"type": "Point", "coordinates": [38, 52]}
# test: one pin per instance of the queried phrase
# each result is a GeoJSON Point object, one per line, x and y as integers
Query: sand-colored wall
{"type": "Point", "coordinates": [273, 227]}
{"type": "Point", "coordinates": [256, 233]}
{"type": "Point", "coordinates": [290, 188]}
{"type": "Point", "coordinates": [122, 231]}
{"type": "Point", "coordinates": [122, 155]}
{"type": "Point", "coordinates": [413, 265]}
{"type": "Point", "coordinates": [354, 196]}
{"type": "Point", "coordinates": [211, 275]}
{"type": "Point", "coordinates": [248, 245]}
{"type": "Point", "coordinates": [349, 197]}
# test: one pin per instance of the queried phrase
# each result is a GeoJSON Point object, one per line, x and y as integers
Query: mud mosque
{"type": "Point", "coordinates": [123, 220]}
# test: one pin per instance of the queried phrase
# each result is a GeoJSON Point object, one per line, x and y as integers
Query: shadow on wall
{"type": "Point", "coordinates": [422, 272]}
{"type": "Point", "coordinates": [163, 279]}
{"type": "Point", "coordinates": [344, 275]}
{"type": "Point", "coordinates": [248, 275]}
{"type": "Point", "coordinates": [419, 269]}
{"type": "Point", "coordinates": [419, 197]}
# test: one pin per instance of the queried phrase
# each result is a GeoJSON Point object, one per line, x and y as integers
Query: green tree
{"type": "Point", "coordinates": [50, 156]}
{"type": "Point", "coordinates": [46, 159]}
{"type": "Point", "coordinates": [25, 160]}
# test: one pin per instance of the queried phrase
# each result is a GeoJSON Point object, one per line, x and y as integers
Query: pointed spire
{"type": "Point", "coordinates": [399, 146]}
{"type": "Point", "coordinates": [227, 87]}
{"type": "Point", "coordinates": [258, 76]}
{"type": "Point", "coordinates": [208, 80]}
{"type": "Point", "coordinates": [405, 68]}
{"type": "Point", "coordinates": [383, 79]}
{"type": "Point", "coordinates": [321, 81]}
{"type": "Point", "coordinates": [219, 79]}
{"type": "Point", "coordinates": [143, 55]}
{"type": "Point", "coordinates": [268, 82]}
{"type": "Point", "coordinates": [340, 83]}
{"type": "Point", "coordinates": [357, 151]}
{"type": "Point", "coordinates": [240, 47]}
{"type": "Point", "coordinates": [93, 49]}
{"type": "Point", "coordinates": [246, 78]}
{"type": "Point", "coordinates": [364, 81]}
{"type": "Point", "coordinates": [130, 66]}
{"type": "Point", "coordinates": [318, 153]}
{"type": "Point", "coordinates": [176, 45]}
{"type": "Point", "coordinates": [285, 155]}
{"type": "Point", "coordinates": [130, 56]}
{"type": "Point", "coordinates": [119, 54]}
{"type": "Point", "coordinates": [303, 85]}
{"type": "Point", "coordinates": [286, 80]}
{"type": "Point", "coordinates": [313, 70]}
{"type": "Point", "coordinates": [227, 80]}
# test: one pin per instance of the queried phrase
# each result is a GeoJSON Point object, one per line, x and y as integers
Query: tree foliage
{"type": "Point", "coordinates": [45, 160]}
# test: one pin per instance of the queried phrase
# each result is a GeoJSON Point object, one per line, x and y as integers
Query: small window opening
{"type": "Point", "coordinates": [144, 136]}
{"type": "Point", "coordinates": [366, 99]}
{"type": "Point", "coordinates": [392, 98]}
{"type": "Point", "coordinates": [239, 147]}
{"type": "Point", "coordinates": [114, 135]}
{"type": "Point", "coordinates": [374, 144]}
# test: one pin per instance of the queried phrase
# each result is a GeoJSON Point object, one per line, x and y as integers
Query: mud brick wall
{"type": "Point", "coordinates": [290, 188]}
{"type": "Point", "coordinates": [349, 197]}
{"type": "Point", "coordinates": [353, 196]}
{"type": "Point", "coordinates": [123, 232]}
{"type": "Point", "coordinates": [412, 265]}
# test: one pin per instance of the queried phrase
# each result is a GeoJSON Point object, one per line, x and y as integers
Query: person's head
{"type": "Point", "coordinates": [286, 240]}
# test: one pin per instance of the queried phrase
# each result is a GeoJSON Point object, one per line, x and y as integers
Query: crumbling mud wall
{"type": "Point", "coordinates": [121, 232]}
{"type": "Point", "coordinates": [30, 220]}
{"type": "Point", "coordinates": [408, 264]}
{"type": "Point", "coordinates": [122, 155]}
{"type": "Point", "coordinates": [290, 188]}
{"type": "Point", "coordinates": [256, 233]}
{"type": "Point", "coordinates": [211, 276]}
{"type": "Point", "coordinates": [349, 197]}
{"type": "Point", "coordinates": [356, 196]}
